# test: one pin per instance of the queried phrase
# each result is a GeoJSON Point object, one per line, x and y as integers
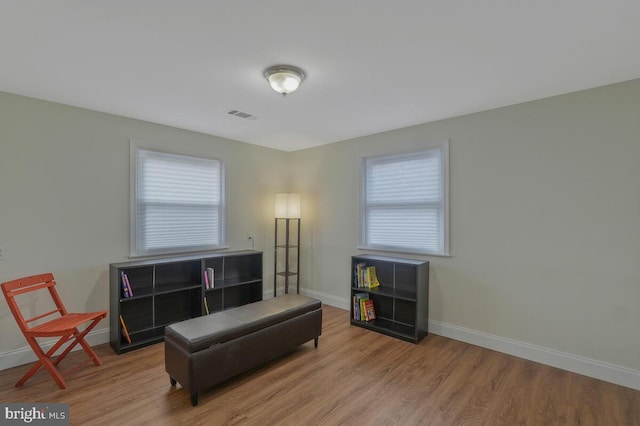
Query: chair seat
{"type": "Point", "coordinates": [66, 323]}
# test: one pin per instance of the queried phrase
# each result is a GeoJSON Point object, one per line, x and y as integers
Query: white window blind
{"type": "Point", "coordinates": [405, 202]}
{"type": "Point", "coordinates": [179, 203]}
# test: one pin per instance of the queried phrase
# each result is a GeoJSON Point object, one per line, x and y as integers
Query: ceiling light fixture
{"type": "Point", "coordinates": [284, 79]}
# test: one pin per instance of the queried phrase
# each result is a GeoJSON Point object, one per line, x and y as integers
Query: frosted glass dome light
{"type": "Point", "coordinates": [284, 79]}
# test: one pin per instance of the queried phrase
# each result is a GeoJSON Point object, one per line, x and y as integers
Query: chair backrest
{"type": "Point", "coordinates": [13, 288]}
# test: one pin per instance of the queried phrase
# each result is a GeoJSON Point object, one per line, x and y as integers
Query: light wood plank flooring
{"type": "Point", "coordinates": [354, 377]}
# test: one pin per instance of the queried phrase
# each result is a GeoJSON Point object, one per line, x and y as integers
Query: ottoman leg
{"type": "Point", "coordinates": [194, 399]}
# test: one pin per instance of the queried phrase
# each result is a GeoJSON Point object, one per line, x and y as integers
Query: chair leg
{"type": "Point", "coordinates": [64, 339]}
{"type": "Point", "coordinates": [88, 349]}
{"type": "Point", "coordinates": [79, 338]}
{"type": "Point", "coordinates": [62, 384]}
{"type": "Point", "coordinates": [44, 361]}
{"type": "Point", "coordinates": [48, 365]}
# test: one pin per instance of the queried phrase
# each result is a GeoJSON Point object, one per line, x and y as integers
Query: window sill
{"type": "Point", "coordinates": [413, 253]}
{"type": "Point", "coordinates": [180, 253]}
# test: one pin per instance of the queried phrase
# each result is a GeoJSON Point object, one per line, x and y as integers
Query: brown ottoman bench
{"type": "Point", "coordinates": [204, 351]}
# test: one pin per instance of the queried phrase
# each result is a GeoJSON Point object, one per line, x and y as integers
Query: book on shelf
{"type": "Point", "coordinates": [126, 278]}
{"type": "Point", "coordinates": [357, 305]}
{"type": "Point", "coordinates": [125, 287]}
{"type": "Point", "coordinates": [206, 305]}
{"type": "Point", "coordinates": [369, 310]}
{"type": "Point", "coordinates": [124, 329]}
{"type": "Point", "coordinates": [355, 308]}
{"type": "Point", "coordinates": [359, 278]}
{"type": "Point", "coordinates": [373, 277]}
{"type": "Point", "coordinates": [211, 276]}
{"type": "Point", "coordinates": [365, 276]}
{"type": "Point", "coordinates": [206, 279]}
{"type": "Point", "coordinates": [363, 312]}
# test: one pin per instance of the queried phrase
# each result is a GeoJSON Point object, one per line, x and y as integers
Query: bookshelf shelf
{"type": "Point", "coordinates": [401, 301]}
{"type": "Point", "coordinates": [391, 328]}
{"type": "Point", "coordinates": [286, 253]}
{"type": "Point", "coordinates": [166, 289]}
{"type": "Point", "coordinates": [234, 282]}
{"type": "Point", "coordinates": [388, 292]}
{"type": "Point", "coordinates": [171, 289]}
{"type": "Point", "coordinates": [136, 296]}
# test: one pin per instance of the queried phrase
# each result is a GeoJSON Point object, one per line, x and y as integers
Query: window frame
{"type": "Point", "coordinates": [443, 147]}
{"type": "Point", "coordinates": [134, 250]}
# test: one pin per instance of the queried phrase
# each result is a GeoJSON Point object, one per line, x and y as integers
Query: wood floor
{"type": "Point", "coordinates": [355, 376]}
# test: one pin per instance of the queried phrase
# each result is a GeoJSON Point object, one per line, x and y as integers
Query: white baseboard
{"type": "Point", "coordinates": [327, 299]}
{"type": "Point", "coordinates": [565, 361]}
{"type": "Point", "coordinates": [25, 355]}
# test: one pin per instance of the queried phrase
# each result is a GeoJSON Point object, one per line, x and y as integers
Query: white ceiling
{"type": "Point", "coordinates": [372, 65]}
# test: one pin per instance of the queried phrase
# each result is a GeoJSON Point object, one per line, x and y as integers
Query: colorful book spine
{"type": "Point", "coordinates": [125, 288]}
{"type": "Point", "coordinates": [363, 310]}
{"type": "Point", "coordinates": [370, 310]}
{"type": "Point", "coordinates": [206, 280]}
{"type": "Point", "coordinates": [355, 308]}
{"type": "Point", "coordinates": [373, 277]}
{"type": "Point", "coordinates": [124, 328]}
{"type": "Point", "coordinates": [126, 278]}
{"type": "Point", "coordinates": [360, 274]}
{"type": "Point", "coordinates": [358, 314]}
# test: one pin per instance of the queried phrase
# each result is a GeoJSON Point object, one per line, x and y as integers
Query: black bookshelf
{"type": "Point", "coordinates": [172, 289]}
{"type": "Point", "coordinates": [401, 301]}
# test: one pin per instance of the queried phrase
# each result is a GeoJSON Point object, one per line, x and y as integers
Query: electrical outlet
{"type": "Point", "coordinates": [2, 253]}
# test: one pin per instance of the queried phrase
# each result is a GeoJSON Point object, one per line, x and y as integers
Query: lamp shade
{"type": "Point", "coordinates": [287, 205]}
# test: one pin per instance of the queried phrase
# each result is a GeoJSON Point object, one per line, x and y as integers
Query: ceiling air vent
{"type": "Point", "coordinates": [241, 114]}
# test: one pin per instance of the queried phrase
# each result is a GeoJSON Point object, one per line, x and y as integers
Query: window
{"type": "Point", "coordinates": [178, 203]}
{"type": "Point", "coordinates": [405, 202]}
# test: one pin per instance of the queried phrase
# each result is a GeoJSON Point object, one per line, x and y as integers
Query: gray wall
{"type": "Point", "coordinates": [64, 196]}
{"type": "Point", "coordinates": [545, 222]}
{"type": "Point", "coordinates": [545, 217]}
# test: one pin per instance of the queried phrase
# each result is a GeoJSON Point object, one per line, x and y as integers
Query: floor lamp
{"type": "Point", "coordinates": [287, 214]}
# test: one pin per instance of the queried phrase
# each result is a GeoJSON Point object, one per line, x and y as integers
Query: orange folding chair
{"type": "Point", "coordinates": [55, 323]}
